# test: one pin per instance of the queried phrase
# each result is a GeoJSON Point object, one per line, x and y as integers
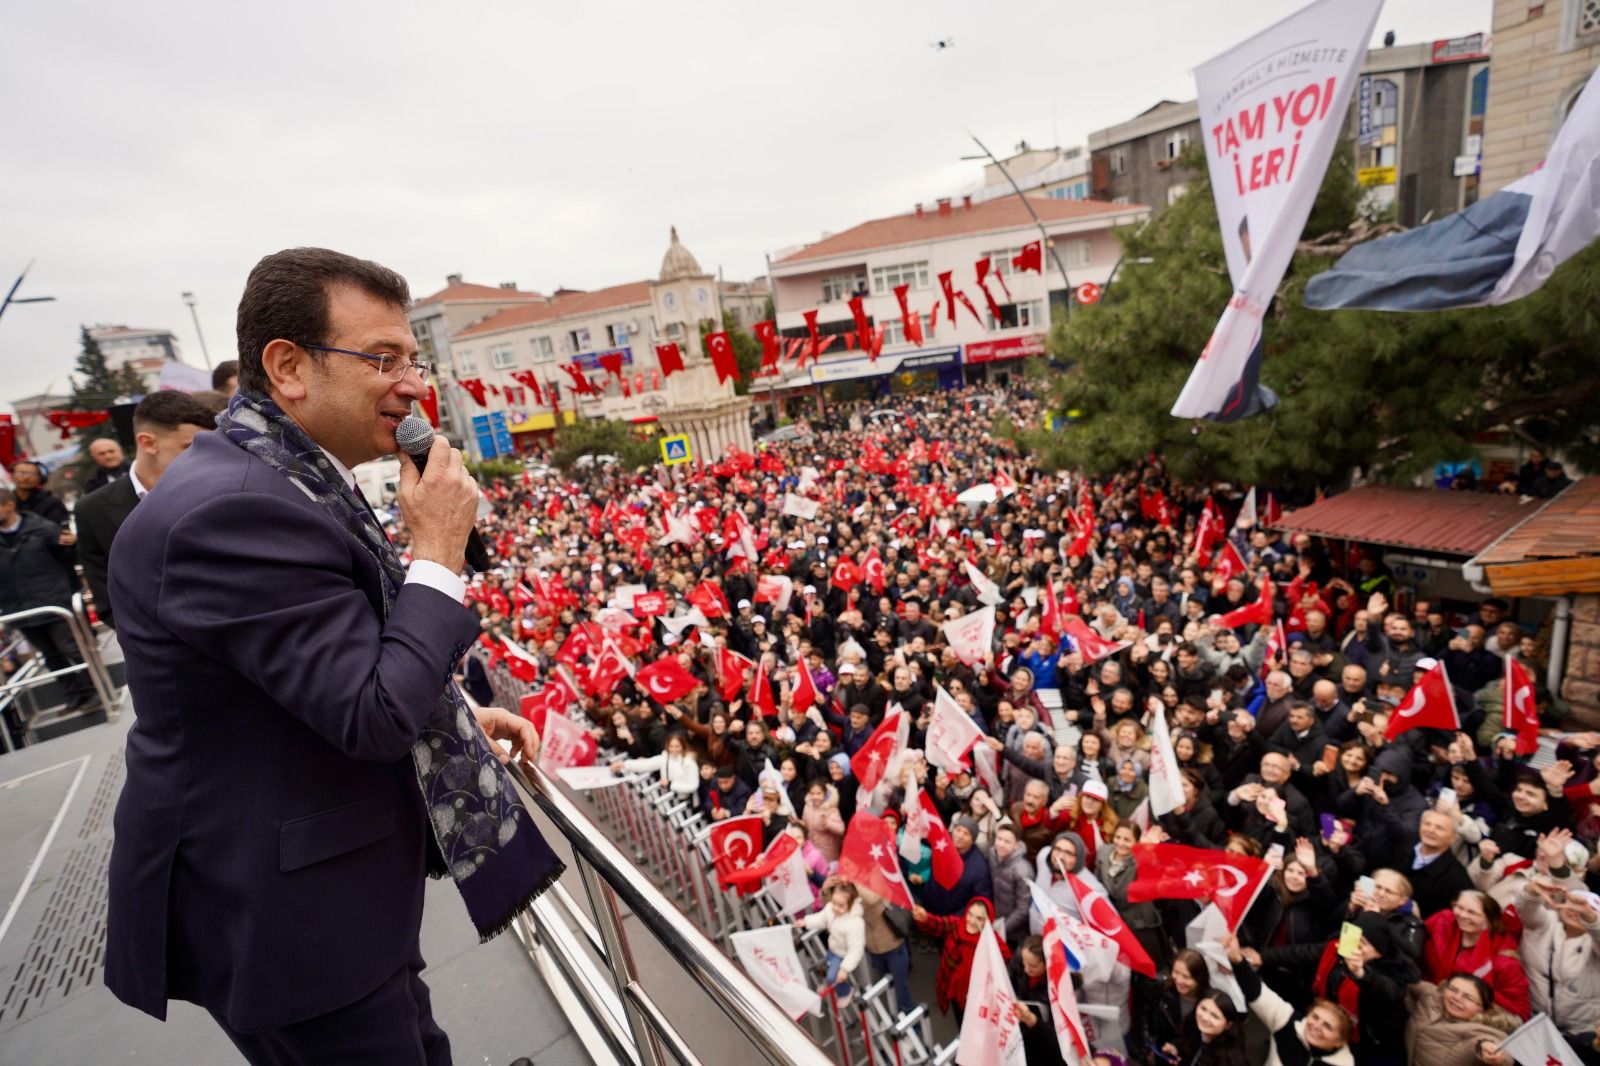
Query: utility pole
{"type": "Point", "coordinates": [1045, 237]}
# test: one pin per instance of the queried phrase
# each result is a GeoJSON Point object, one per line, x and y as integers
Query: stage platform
{"type": "Point", "coordinates": [56, 803]}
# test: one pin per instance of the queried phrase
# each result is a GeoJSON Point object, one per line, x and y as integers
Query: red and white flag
{"type": "Point", "coordinates": [1051, 618]}
{"type": "Point", "coordinates": [564, 744]}
{"type": "Point", "coordinates": [1176, 871]}
{"type": "Point", "coordinates": [776, 589]}
{"type": "Point", "coordinates": [990, 1032]}
{"type": "Point", "coordinates": [536, 706]}
{"type": "Point", "coordinates": [761, 692]}
{"type": "Point", "coordinates": [649, 605]}
{"type": "Point", "coordinates": [1537, 1042]}
{"type": "Point", "coordinates": [988, 592]}
{"type": "Point", "coordinates": [873, 570]}
{"type": "Point", "coordinates": [846, 575]}
{"type": "Point", "coordinates": [709, 598]}
{"type": "Point", "coordinates": [872, 760]}
{"type": "Point", "coordinates": [1247, 512]}
{"type": "Point", "coordinates": [666, 680]}
{"type": "Point", "coordinates": [1521, 711]}
{"type": "Point", "coordinates": [1277, 649]}
{"type": "Point", "coordinates": [951, 732]}
{"type": "Point", "coordinates": [1271, 513]}
{"type": "Point", "coordinates": [769, 957]}
{"type": "Point", "coordinates": [735, 845]}
{"type": "Point", "coordinates": [1207, 533]}
{"type": "Point", "coordinates": [947, 862]}
{"type": "Point", "coordinates": [679, 530]}
{"type": "Point", "coordinates": [1091, 645]}
{"type": "Point", "coordinates": [971, 635]}
{"type": "Point", "coordinates": [867, 858]}
{"type": "Point", "coordinates": [1228, 564]}
{"type": "Point", "coordinates": [1431, 704]}
{"type": "Point", "coordinates": [1070, 1033]}
{"type": "Point", "coordinates": [1099, 915]}
{"type": "Point", "coordinates": [805, 695]}
{"type": "Point", "coordinates": [732, 669]}
{"type": "Point", "coordinates": [1258, 613]}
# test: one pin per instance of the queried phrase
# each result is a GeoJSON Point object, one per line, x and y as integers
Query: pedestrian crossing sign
{"type": "Point", "coordinates": [675, 450]}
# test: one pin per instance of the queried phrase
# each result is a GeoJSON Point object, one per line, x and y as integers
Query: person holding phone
{"type": "Point", "coordinates": [1560, 951]}
{"type": "Point", "coordinates": [1322, 1030]}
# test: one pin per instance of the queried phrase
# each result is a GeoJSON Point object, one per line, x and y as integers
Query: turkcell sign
{"type": "Point", "coordinates": [589, 361]}
{"type": "Point", "coordinates": [931, 360]}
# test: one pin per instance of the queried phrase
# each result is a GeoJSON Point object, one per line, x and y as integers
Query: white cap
{"type": "Point", "coordinates": [1426, 663]}
{"type": "Point", "coordinates": [1096, 788]}
{"type": "Point", "coordinates": [743, 604]}
{"type": "Point", "coordinates": [809, 590]}
{"type": "Point", "coordinates": [846, 668]}
{"type": "Point", "coordinates": [822, 540]}
{"type": "Point", "coordinates": [797, 545]}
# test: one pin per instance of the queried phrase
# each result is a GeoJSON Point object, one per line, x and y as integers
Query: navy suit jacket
{"type": "Point", "coordinates": [271, 841]}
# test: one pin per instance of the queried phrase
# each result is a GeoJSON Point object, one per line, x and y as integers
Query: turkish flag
{"type": "Point", "coordinates": [611, 363]}
{"type": "Point", "coordinates": [1229, 564]}
{"type": "Point", "coordinates": [805, 695]}
{"type": "Point", "coordinates": [846, 575]}
{"type": "Point", "coordinates": [1079, 548]}
{"type": "Point", "coordinates": [735, 845]}
{"type": "Point", "coordinates": [1271, 513]}
{"type": "Point", "coordinates": [816, 341]}
{"type": "Point", "coordinates": [731, 671]}
{"type": "Point", "coordinates": [1050, 616]}
{"type": "Point", "coordinates": [665, 680]}
{"type": "Point", "coordinates": [650, 604]}
{"type": "Point", "coordinates": [1521, 712]}
{"type": "Point", "coordinates": [564, 743]}
{"type": "Point", "coordinates": [575, 647]}
{"type": "Point", "coordinates": [1431, 703]}
{"type": "Point", "coordinates": [863, 324]}
{"type": "Point", "coordinates": [1207, 534]}
{"type": "Point", "coordinates": [873, 570]}
{"type": "Point", "coordinates": [868, 859]}
{"type": "Point", "coordinates": [771, 348]}
{"type": "Point", "coordinates": [670, 356]}
{"type": "Point", "coordinates": [1258, 613]}
{"type": "Point", "coordinates": [869, 763]}
{"type": "Point", "coordinates": [1030, 258]}
{"type": "Point", "coordinates": [1090, 644]}
{"type": "Point", "coordinates": [747, 878]}
{"type": "Point", "coordinates": [947, 862]}
{"type": "Point", "coordinates": [910, 321]}
{"type": "Point", "coordinates": [761, 692]}
{"type": "Point", "coordinates": [1177, 871]}
{"type": "Point", "coordinates": [537, 706]}
{"type": "Point", "coordinates": [708, 594]}
{"type": "Point", "coordinates": [720, 349]}
{"type": "Point", "coordinates": [1070, 1034]}
{"type": "Point", "coordinates": [1099, 915]}
{"type": "Point", "coordinates": [610, 668]}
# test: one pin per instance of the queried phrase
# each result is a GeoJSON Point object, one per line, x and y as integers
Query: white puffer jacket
{"type": "Point", "coordinates": [847, 933]}
{"type": "Point", "coordinates": [1563, 971]}
{"type": "Point", "coordinates": [680, 772]}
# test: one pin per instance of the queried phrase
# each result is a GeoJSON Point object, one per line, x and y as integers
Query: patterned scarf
{"type": "Point", "coordinates": [482, 835]}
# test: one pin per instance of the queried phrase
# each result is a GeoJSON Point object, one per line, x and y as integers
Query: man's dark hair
{"type": "Point", "coordinates": [169, 410]}
{"type": "Point", "coordinates": [286, 298]}
{"type": "Point", "coordinates": [226, 369]}
{"type": "Point", "coordinates": [7, 496]}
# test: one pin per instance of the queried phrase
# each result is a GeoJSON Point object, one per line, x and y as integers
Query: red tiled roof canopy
{"type": "Point", "coordinates": [577, 303]}
{"type": "Point", "coordinates": [1001, 214]}
{"type": "Point", "coordinates": [467, 292]}
{"type": "Point", "coordinates": [1554, 553]}
{"type": "Point", "coordinates": [1430, 520]}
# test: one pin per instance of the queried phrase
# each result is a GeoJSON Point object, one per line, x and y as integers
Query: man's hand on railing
{"type": "Point", "coordinates": [500, 724]}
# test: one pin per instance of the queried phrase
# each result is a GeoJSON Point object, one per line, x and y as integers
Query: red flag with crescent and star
{"type": "Point", "coordinates": [665, 680]}
{"type": "Point", "coordinates": [735, 845]}
{"type": "Point", "coordinates": [1431, 704]}
{"type": "Point", "coordinates": [720, 349]}
{"type": "Point", "coordinates": [868, 859]}
{"type": "Point", "coordinates": [1177, 871]}
{"type": "Point", "coordinates": [1099, 915]}
{"type": "Point", "coordinates": [869, 763]}
{"type": "Point", "coordinates": [1521, 710]}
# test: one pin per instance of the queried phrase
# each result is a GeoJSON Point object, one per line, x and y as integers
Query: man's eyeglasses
{"type": "Point", "coordinates": [390, 367]}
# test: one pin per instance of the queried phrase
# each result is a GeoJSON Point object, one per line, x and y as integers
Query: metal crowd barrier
{"type": "Point", "coordinates": [16, 693]}
{"type": "Point", "coordinates": [664, 832]}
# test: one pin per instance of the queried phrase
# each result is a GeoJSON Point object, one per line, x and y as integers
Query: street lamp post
{"type": "Point", "coordinates": [189, 299]}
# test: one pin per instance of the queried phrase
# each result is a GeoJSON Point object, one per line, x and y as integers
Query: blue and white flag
{"type": "Point", "coordinates": [1500, 249]}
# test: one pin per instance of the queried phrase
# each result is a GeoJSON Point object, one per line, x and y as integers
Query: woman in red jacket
{"type": "Point", "coordinates": [1474, 937]}
{"type": "Point", "coordinates": [960, 944]}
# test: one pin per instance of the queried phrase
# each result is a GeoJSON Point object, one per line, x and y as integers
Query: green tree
{"type": "Point", "coordinates": [746, 349]}
{"type": "Point", "coordinates": [95, 387]}
{"type": "Point", "coordinates": [597, 438]}
{"type": "Point", "coordinates": [1391, 394]}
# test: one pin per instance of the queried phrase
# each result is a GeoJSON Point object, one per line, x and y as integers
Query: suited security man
{"type": "Point", "coordinates": [164, 425]}
{"type": "Point", "coordinates": [300, 756]}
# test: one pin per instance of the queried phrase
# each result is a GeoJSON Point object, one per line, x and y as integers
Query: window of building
{"type": "Point", "coordinates": [1581, 26]}
{"type": "Point", "coordinates": [1068, 192]}
{"type": "Point", "coordinates": [503, 356]}
{"type": "Point", "coordinates": [1120, 200]}
{"type": "Point", "coordinates": [579, 339]}
{"type": "Point", "coordinates": [674, 331]}
{"type": "Point", "coordinates": [1029, 313]}
{"type": "Point", "coordinates": [894, 332]}
{"type": "Point", "coordinates": [1000, 259]}
{"type": "Point", "coordinates": [543, 348]}
{"type": "Point", "coordinates": [837, 287]}
{"type": "Point", "coordinates": [1385, 102]}
{"type": "Point", "coordinates": [1075, 252]}
{"type": "Point", "coordinates": [422, 329]}
{"type": "Point", "coordinates": [1175, 192]}
{"type": "Point", "coordinates": [466, 362]}
{"type": "Point", "coordinates": [885, 278]}
{"type": "Point", "coordinates": [617, 335]}
{"type": "Point", "coordinates": [1119, 161]}
{"type": "Point", "coordinates": [1177, 141]}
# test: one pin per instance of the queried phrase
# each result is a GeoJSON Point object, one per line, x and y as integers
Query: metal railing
{"type": "Point", "coordinates": [18, 687]}
{"type": "Point", "coordinates": [652, 828]}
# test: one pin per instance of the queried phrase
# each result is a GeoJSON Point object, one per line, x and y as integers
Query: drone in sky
{"type": "Point", "coordinates": [939, 46]}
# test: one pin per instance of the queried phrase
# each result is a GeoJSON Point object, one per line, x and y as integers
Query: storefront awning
{"type": "Point", "coordinates": [1428, 520]}
{"type": "Point", "coordinates": [1556, 552]}
{"type": "Point", "coordinates": [544, 420]}
{"type": "Point", "coordinates": [867, 367]}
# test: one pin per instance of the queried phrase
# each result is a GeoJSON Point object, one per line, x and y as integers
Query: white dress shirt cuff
{"type": "Point", "coordinates": [434, 576]}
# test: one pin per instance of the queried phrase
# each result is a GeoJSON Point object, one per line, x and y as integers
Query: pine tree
{"type": "Point", "coordinates": [95, 388]}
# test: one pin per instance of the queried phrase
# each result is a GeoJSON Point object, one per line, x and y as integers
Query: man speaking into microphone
{"type": "Point", "coordinates": [301, 758]}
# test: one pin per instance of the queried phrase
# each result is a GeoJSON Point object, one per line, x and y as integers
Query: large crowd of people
{"type": "Point", "coordinates": [1428, 892]}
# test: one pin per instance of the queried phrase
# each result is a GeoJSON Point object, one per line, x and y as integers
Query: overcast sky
{"type": "Point", "coordinates": [160, 147]}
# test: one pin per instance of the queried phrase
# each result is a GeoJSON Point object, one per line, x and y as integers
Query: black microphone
{"type": "Point", "coordinates": [415, 437]}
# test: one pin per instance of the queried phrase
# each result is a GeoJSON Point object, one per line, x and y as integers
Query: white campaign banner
{"type": "Point", "coordinates": [970, 635]}
{"type": "Point", "coordinates": [799, 506]}
{"type": "Point", "coordinates": [1271, 112]}
{"type": "Point", "coordinates": [1166, 788]}
{"type": "Point", "coordinates": [768, 956]}
{"type": "Point", "coordinates": [990, 1034]}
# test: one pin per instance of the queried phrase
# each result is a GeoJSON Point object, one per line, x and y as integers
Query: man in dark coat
{"type": "Point", "coordinates": [35, 571]}
{"type": "Point", "coordinates": [164, 425]}
{"type": "Point", "coordinates": [975, 879]}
